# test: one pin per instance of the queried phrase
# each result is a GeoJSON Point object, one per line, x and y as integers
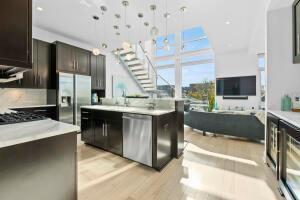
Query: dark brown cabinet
{"type": "Point", "coordinates": [39, 76]}
{"type": "Point", "coordinates": [71, 59]}
{"type": "Point", "coordinates": [98, 64]}
{"type": "Point", "coordinates": [296, 31]}
{"type": "Point", "coordinates": [16, 33]}
{"type": "Point", "coordinates": [103, 130]}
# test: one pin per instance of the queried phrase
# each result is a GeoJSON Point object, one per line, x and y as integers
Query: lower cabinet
{"type": "Point", "coordinates": [103, 129]}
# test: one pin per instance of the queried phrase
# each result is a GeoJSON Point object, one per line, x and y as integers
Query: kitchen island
{"type": "Point", "coordinates": [38, 160]}
{"type": "Point", "coordinates": [139, 134]}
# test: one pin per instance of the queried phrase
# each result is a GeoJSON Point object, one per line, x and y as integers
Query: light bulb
{"type": "Point", "coordinates": [104, 46]}
{"type": "Point", "coordinates": [126, 45]}
{"type": "Point", "coordinates": [154, 31]}
{"type": "Point", "coordinates": [96, 51]}
{"type": "Point", "coordinates": [167, 45]}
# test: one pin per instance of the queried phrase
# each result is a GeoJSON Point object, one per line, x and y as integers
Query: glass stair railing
{"type": "Point", "coordinates": [138, 63]}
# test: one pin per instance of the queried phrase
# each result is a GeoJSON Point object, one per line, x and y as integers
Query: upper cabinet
{"type": "Point", "coordinates": [98, 64]}
{"type": "Point", "coordinates": [71, 59]}
{"type": "Point", "coordinates": [39, 76]}
{"type": "Point", "coordinates": [296, 31]}
{"type": "Point", "coordinates": [16, 33]}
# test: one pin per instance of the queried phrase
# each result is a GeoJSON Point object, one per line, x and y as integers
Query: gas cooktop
{"type": "Point", "coordinates": [18, 117]}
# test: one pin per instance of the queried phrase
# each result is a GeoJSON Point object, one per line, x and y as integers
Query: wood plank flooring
{"type": "Point", "coordinates": [212, 168]}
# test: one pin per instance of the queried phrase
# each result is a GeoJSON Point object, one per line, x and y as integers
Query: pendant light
{"type": "Point", "coordinates": [96, 51]}
{"type": "Point", "coordinates": [154, 30]}
{"type": "Point", "coordinates": [183, 11]}
{"type": "Point", "coordinates": [140, 16]}
{"type": "Point", "coordinates": [126, 44]}
{"type": "Point", "coordinates": [167, 16]}
{"type": "Point", "coordinates": [104, 9]}
{"type": "Point", "coordinates": [146, 25]}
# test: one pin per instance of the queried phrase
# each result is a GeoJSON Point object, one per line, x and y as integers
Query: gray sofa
{"type": "Point", "coordinates": [238, 125]}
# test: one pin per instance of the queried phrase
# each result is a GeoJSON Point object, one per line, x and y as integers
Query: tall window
{"type": "Point", "coordinates": [189, 58]}
{"type": "Point", "coordinates": [262, 69]}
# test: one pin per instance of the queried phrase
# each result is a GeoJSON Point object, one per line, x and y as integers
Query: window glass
{"type": "Point", "coordinates": [165, 62]}
{"type": "Point", "coordinates": [166, 89]}
{"type": "Point", "coordinates": [198, 86]}
{"type": "Point", "coordinates": [192, 33]}
{"type": "Point", "coordinates": [196, 45]}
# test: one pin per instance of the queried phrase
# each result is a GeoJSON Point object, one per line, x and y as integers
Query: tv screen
{"type": "Point", "coordinates": [236, 86]}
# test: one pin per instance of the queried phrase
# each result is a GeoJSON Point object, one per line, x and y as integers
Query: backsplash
{"type": "Point", "coordinates": [22, 97]}
{"type": "Point", "coordinates": [163, 104]}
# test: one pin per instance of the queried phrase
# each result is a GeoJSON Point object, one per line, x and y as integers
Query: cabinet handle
{"type": "Point", "coordinates": [103, 130]}
{"type": "Point", "coordinates": [100, 83]}
{"type": "Point", "coordinates": [85, 112]}
{"type": "Point", "coordinates": [85, 118]}
{"type": "Point", "coordinates": [34, 79]}
{"type": "Point", "coordinates": [40, 111]}
{"type": "Point", "coordinates": [298, 44]}
{"type": "Point", "coordinates": [74, 65]}
{"type": "Point", "coordinates": [40, 80]}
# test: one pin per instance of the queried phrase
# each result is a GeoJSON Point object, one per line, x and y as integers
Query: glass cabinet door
{"type": "Point", "coordinates": [272, 141]}
{"type": "Point", "coordinates": [292, 170]}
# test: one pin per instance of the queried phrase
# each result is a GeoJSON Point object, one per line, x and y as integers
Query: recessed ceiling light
{"type": "Point", "coordinates": [227, 22]}
{"type": "Point", "coordinates": [39, 8]}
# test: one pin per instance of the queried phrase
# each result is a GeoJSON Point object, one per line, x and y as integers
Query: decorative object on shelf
{"type": "Point", "coordinates": [96, 51]}
{"type": "Point", "coordinates": [154, 30]}
{"type": "Point", "coordinates": [286, 103]}
{"type": "Point", "coordinates": [183, 10]}
{"type": "Point", "coordinates": [166, 41]}
{"type": "Point", "coordinates": [126, 44]}
{"type": "Point", "coordinates": [104, 9]}
{"type": "Point", "coordinates": [296, 103]}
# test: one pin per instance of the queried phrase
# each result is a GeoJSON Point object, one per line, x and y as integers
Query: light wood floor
{"type": "Point", "coordinates": [211, 168]}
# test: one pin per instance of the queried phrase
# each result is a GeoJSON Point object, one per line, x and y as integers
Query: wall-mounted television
{"type": "Point", "coordinates": [236, 86]}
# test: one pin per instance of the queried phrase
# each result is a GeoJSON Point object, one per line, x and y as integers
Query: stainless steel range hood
{"type": "Point", "coordinates": [8, 74]}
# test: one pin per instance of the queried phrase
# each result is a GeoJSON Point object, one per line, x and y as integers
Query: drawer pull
{"type": "Point", "coordinates": [84, 118]}
{"type": "Point", "coordinates": [40, 111]}
{"type": "Point", "coordinates": [85, 113]}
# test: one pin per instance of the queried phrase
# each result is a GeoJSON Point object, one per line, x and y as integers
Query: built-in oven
{"type": "Point", "coordinates": [290, 161]}
{"type": "Point", "coordinates": [272, 143]}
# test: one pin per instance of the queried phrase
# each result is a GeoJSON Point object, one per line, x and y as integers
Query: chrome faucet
{"type": "Point", "coordinates": [126, 102]}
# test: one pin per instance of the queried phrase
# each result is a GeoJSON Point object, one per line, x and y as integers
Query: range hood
{"type": "Point", "coordinates": [9, 74]}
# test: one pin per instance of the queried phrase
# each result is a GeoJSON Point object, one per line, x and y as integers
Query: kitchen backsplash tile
{"type": "Point", "coordinates": [22, 97]}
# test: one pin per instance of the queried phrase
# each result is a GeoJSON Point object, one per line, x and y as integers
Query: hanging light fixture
{"type": "Point", "coordinates": [96, 51]}
{"type": "Point", "coordinates": [126, 44]}
{"type": "Point", "coordinates": [183, 11]}
{"type": "Point", "coordinates": [104, 9]}
{"type": "Point", "coordinates": [146, 24]}
{"type": "Point", "coordinates": [166, 41]}
{"type": "Point", "coordinates": [140, 16]}
{"type": "Point", "coordinates": [154, 30]}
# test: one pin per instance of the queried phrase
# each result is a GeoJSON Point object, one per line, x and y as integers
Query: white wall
{"type": "Point", "coordinates": [283, 76]}
{"type": "Point", "coordinates": [238, 63]}
{"type": "Point", "coordinates": [112, 68]}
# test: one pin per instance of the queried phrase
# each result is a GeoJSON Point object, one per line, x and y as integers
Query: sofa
{"type": "Point", "coordinates": [225, 123]}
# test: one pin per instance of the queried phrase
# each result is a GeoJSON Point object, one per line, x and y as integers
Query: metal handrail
{"type": "Point", "coordinates": [149, 61]}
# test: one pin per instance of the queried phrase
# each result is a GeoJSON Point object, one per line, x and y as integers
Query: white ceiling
{"type": "Point", "coordinates": [73, 19]}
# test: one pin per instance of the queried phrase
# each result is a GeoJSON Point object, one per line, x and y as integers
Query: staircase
{"type": "Point", "coordinates": [140, 67]}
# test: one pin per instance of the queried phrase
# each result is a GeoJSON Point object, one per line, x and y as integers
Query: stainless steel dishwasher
{"type": "Point", "coordinates": [137, 138]}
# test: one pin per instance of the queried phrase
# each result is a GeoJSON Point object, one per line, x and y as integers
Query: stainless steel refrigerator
{"type": "Point", "coordinates": [74, 91]}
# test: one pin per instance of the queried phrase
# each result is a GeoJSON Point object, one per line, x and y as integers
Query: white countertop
{"type": "Point", "coordinates": [18, 133]}
{"type": "Point", "coordinates": [34, 106]}
{"type": "Point", "coordinates": [134, 110]}
{"type": "Point", "coordinates": [290, 117]}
